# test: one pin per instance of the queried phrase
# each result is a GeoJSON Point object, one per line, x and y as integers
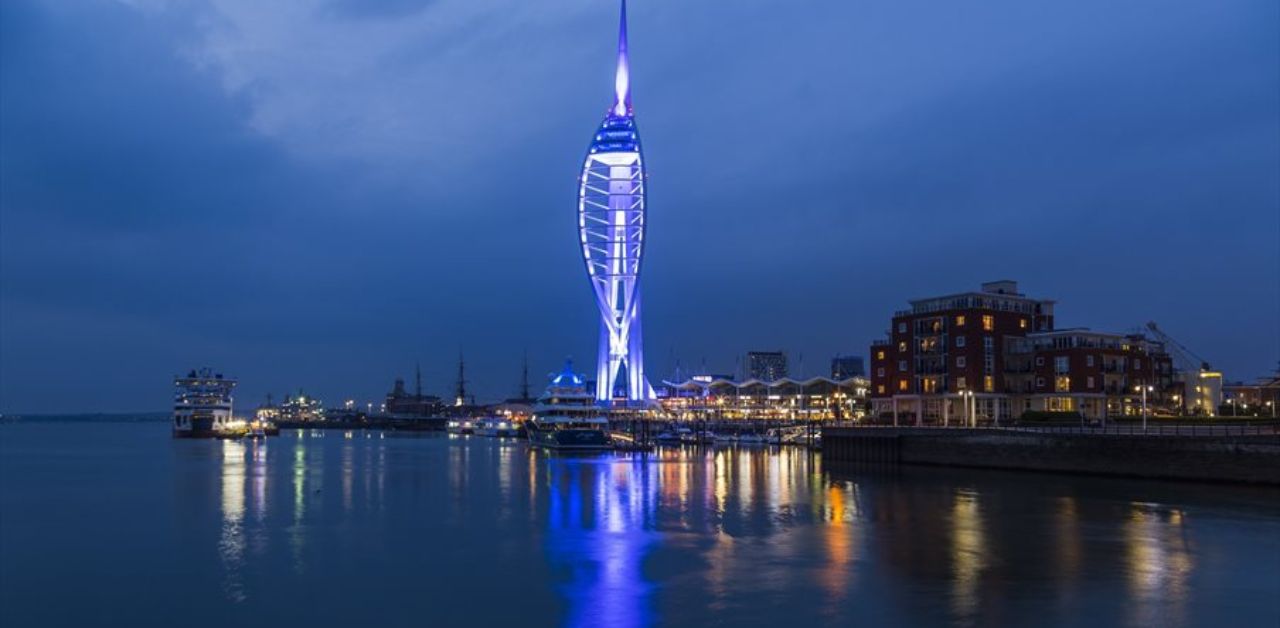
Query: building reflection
{"type": "Point", "coordinates": [600, 526]}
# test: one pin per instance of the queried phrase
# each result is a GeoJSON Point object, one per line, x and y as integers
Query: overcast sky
{"type": "Point", "coordinates": [320, 194]}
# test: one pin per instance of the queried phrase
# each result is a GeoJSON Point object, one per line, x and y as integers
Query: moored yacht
{"type": "Point", "coordinates": [566, 416]}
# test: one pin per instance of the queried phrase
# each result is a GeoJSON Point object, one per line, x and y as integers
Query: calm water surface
{"type": "Point", "coordinates": [119, 524]}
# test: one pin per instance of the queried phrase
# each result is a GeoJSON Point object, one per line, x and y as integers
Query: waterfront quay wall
{"type": "Point", "coordinates": [1252, 459]}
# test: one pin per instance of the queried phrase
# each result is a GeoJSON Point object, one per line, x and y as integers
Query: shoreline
{"type": "Point", "coordinates": [1247, 459]}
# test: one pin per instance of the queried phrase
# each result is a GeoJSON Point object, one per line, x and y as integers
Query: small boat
{"type": "Point", "coordinates": [460, 426]}
{"type": "Point", "coordinates": [495, 427]}
{"type": "Point", "coordinates": [667, 438]}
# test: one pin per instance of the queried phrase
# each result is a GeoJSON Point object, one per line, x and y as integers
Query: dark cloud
{"type": "Point", "coordinates": [318, 218]}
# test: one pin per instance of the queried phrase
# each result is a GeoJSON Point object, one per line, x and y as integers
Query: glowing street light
{"type": "Point", "coordinates": [1144, 390]}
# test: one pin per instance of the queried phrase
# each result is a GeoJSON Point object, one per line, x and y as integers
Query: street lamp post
{"type": "Point", "coordinates": [1143, 390]}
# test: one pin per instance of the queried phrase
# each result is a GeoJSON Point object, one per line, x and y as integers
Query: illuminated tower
{"type": "Point", "coordinates": [611, 217]}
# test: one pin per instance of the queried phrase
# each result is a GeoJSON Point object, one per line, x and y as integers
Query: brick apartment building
{"type": "Point", "coordinates": [994, 353]}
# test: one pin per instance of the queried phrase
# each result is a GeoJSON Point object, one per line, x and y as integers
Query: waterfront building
{"type": "Point", "coordinates": [994, 353]}
{"type": "Point", "coordinates": [782, 399]}
{"type": "Point", "coordinates": [844, 367]}
{"type": "Point", "coordinates": [611, 228]}
{"type": "Point", "coordinates": [1199, 392]}
{"type": "Point", "coordinates": [767, 365]}
{"type": "Point", "coordinates": [400, 402]}
{"type": "Point", "coordinates": [1258, 398]}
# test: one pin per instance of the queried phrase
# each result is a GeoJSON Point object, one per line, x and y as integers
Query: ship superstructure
{"type": "Point", "coordinates": [202, 405]}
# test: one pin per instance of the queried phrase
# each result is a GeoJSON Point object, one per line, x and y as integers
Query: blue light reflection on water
{"type": "Point", "coordinates": [328, 527]}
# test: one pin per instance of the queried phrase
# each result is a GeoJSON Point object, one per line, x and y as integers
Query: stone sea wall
{"type": "Point", "coordinates": [1253, 459]}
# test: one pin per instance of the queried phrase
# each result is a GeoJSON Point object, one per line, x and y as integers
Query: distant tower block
{"type": "Point", "coordinates": [611, 221]}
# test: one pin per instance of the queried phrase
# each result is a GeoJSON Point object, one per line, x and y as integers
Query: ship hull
{"type": "Point", "coordinates": [570, 439]}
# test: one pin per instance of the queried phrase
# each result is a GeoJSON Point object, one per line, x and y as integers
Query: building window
{"type": "Point", "coordinates": [1088, 360]}
{"type": "Point", "coordinates": [1137, 364]}
{"type": "Point", "coordinates": [1039, 382]}
{"type": "Point", "coordinates": [1022, 323]}
{"type": "Point", "coordinates": [879, 355]}
{"type": "Point", "coordinates": [960, 362]}
{"type": "Point", "coordinates": [880, 389]}
{"type": "Point", "coordinates": [902, 327]}
{"type": "Point", "coordinates": [1039, 361]}
{"type": "Point", "coordinates": [1061, 364]}
{"type": "Point", "coordinates": [902, 347]}
{"type": "Point", "coordinates": [959, 341]}
{"type": "Point", "coordinates": [988, 322]}
{"type": "Point", "coordinates": [960, 383]}
{"type": "Point", "coordinates": [1062, 383]}
{"type": "Point", "coordinates": [1088, 382]}
{"type": "Point", "coordinates": [880, 372]}
{"type": "Point", "coordinates": [960, 321]}
{"type": "Point", "coordinates": [902, 385]}
{"type": "Point", "coordinates": [988, 383]}
{"type": "Point", "coordinates": [902, 365]}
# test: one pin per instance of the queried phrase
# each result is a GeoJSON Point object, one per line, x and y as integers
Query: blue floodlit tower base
{"type": "Point", "coordinates": [611, 219]}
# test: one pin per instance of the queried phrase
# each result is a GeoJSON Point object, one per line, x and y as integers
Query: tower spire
{"type": "Point", "coordinates": [622, 78]}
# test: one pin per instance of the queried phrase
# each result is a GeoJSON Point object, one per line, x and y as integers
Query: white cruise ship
{"type": "Point", "coordinates": [202, 406]}
{"type": "Point", "coordinates": [566, 416]}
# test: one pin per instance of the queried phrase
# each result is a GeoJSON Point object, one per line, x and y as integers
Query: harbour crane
{"type": "Point", "coordinates": [1188, 359]}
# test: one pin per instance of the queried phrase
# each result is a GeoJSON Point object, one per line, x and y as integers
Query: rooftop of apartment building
{"type": "Point", "coordinates": [993, 295]}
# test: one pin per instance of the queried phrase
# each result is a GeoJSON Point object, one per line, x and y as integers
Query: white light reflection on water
{"type": "Point", "coordinates": [231, 541]}
{"type": "Point", "coordinates": [1158, 562]}
{"type": "Point", "coordinates": [968, 554]}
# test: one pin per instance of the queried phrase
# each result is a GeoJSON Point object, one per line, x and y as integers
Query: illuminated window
{"type": "Point", "coordinates": [960, 321]}
{"type": "Point", "coordinates": [988, 322]}
{"type": "Point", "coordinates": [960, 383]}
{"type": "Point", "coordinates": [930, 385]}
{"type": "Point", "coordinates": [988, 383]}
{"type": "Point", "coordinates": [902, 385]}
{"type": "Point", "coordinates": [879, 355]}
{"type": "Point", "coordinates": [1022, 323]}
{"type": "Point", "coordinates": [1062, 383]}
{"type": "Point", "coordinates": [902, 347]}
{"type": "Point", "coordinates": [880, 389]}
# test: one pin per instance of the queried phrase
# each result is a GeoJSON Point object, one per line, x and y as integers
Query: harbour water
{"type": "Point", "coordinates": [119, 524]}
